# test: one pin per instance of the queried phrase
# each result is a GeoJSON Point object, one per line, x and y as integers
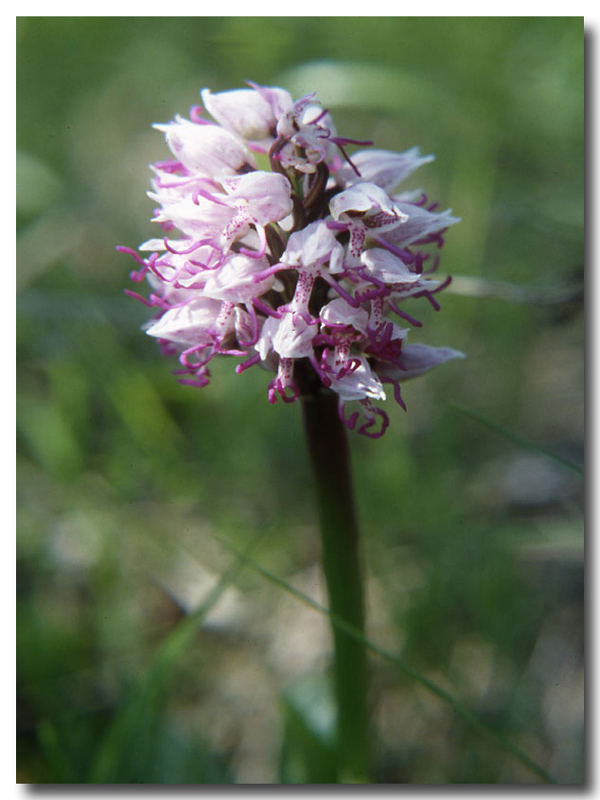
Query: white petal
{"type": "Point", "coordinates": [208, 149]}
{"type": "Point", "coordinates": [249, 113]}
{"type": "Point", "coordinates": [187, 325]}
{"type": "Point", "coordinates": [383, 167]}
{"type": "Point", "coordinates": [293, 337]}
{"type": "Point", "coordinates": [312, 246]}
{"type": "Point", "coordinates": [386, 267]}
{"type": "Point", "coordinates": [419, 224]}
{"type": "Point", "coordinates": [152, 245]}
{"type": "Point", "coordinates": [418, 359]}
{"type": "Point", "coordinates": [234, 281]}
{"type": "Point", "coordinates": [339, 312]}
{"type": "Point", "coordinates": [267, 194]}
{"type": "Point", "coordinates": [364, 197]}
{"type": "Point", "coordinates": [360, 383]}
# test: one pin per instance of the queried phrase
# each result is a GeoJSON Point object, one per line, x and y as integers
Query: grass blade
{"type": "Point", "coordinates": [468, 716]}
{"type": "Point", "coordinates": [142, 705]}
{"type": "Point", "coordinates": [516, 439]}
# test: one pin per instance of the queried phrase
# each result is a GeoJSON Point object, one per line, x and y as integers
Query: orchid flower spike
{"type": "Point", "coordinates": [307, 269]}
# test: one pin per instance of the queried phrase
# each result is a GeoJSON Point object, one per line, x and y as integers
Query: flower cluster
{"type": "Point", "coordinates": [280, 248]}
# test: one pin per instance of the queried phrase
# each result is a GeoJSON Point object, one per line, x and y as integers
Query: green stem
{"type": "Point", "coordinates": [330, 458]}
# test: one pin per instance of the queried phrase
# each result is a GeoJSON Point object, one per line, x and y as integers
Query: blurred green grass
{"type": "Point", "coordinates": [473, 545]}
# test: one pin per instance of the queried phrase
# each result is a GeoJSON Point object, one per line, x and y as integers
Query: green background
{"type": "Point", "coordinates": [129, 482]}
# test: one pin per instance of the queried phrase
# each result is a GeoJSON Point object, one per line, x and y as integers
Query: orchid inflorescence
{"type": "Point", "coordinates": [298, 266]}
